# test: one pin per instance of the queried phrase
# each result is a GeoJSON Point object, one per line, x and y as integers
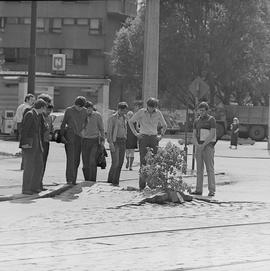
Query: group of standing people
{"type": "Point", "coordinates": [82, 132]}
{"type": "Point", "coordinates": [34, 137]}
{"type": "Point", "coordinates": [126, 130]}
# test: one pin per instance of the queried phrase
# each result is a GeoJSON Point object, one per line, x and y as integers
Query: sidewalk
{"type": "Point", "coordinates": [228, 164]}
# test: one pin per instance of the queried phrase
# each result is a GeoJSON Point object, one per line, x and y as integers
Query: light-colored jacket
{"type": "Point", "coordinates": [113, 125]}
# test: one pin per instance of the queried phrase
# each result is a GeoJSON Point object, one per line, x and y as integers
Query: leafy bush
{"type": "Point", "coordinates": [164, 169]}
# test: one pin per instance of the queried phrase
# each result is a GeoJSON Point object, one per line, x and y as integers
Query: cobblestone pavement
{"type": "Point", "coordinates": [83, 229]}
{"type": "Point", "coordinates": [100, 227]}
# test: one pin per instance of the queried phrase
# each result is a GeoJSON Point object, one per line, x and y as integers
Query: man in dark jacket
{"type": "Point", "coordinates": [92, 135]}
{"type": "Point", "coordinates": [31, 143]}
{"type": "Point", "coordinates": [74, 121]}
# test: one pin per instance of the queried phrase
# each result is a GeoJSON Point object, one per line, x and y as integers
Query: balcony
{"type": "Point", "coordinates": [122, 8]}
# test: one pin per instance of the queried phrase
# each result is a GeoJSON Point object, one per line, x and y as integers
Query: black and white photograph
{"type": "Point", "coordinates": [134, 135]}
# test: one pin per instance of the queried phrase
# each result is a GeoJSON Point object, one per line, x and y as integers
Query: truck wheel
{"type": "Point", "coordinates": [220, 130]}
{"type": "Point", "coordinates": [257, 132]}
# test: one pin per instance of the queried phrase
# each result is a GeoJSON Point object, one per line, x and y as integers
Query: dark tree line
{"type": "Point", "coordinates": [225, 42]}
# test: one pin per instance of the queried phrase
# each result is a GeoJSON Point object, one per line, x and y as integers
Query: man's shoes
{"type": "Point", "coordinates": [196, 193]}
{"type": "Point", "coordinates": [211, 194]}
{"type": "Point", "coordinates": [115, 184]}
{"type": "Point", "coordinates": [44, 189]}
{"type": "Point", "coordinates": [126, 165]}
{"type": "Point", "coordinates": [130, 168]}
{"type": "Point", "coordinates": [27, 192]}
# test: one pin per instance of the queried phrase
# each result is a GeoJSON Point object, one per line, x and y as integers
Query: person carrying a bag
{"type": "Point", "coordinates": [92, 135]}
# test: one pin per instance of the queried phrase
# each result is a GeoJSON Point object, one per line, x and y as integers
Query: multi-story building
{"type": "Point", "coordinates": [83, 31]}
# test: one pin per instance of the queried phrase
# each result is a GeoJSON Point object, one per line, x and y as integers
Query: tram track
{"type": "Point", "coordinates": [119, 235]}
{"type": "Point", "coordinates": [195, 202]}
{"type": "Point", "coordinates": [231, 264]}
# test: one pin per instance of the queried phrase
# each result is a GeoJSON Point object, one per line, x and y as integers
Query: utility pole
{"type": "Point", "coordinates": [32, 56]}
{"type": "Point", "coordinates": [151, 50]}
{"type": "Point", "coordinates": [268, 145]}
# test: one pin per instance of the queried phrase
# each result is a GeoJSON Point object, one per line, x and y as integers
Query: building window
{"type": "Point", "coordinates": [12, 20]}
{"type": "Point", "coordinates": [22, 55]}
{"type": "Point", "coordinates": [10, 54]}
{"type": "Point", "coordinates": [82, 21]}
{"type": "Point", "coordinates": [95, 26]}
{"type": "Point", "coordinates": [2, 23]}
{"type": "Point", "coordinates": [40, 25]}
{"type": "Point", "coordinates": [25, 21]}
{"type": "Point", "coordinates": [68, 21]}
{"type": "Point", "coordinates": [56, 25]}
{"type": "Point", "coordinates": [80, 56]}
{"type": "Point", "coordinates": [54, 51]}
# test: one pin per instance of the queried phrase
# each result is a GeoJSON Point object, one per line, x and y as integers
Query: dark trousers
{"type": "Point", "coordinates": [33, 170]}
{"type": "Point", "coordinates": [46, 148]}
{"type": "Point", "coordinates": [146, 141]}
{"type": "Point", "coordinates": [89, 152]}
{"type": "Point", "coordinates": [73, 153]}
{"type": "Point", "coordinates": [118, 157]}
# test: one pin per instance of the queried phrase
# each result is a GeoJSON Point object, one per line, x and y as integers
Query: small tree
{"type": "Point", "coordinates": [164, 169]}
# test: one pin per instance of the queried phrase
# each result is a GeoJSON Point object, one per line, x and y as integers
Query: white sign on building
{"type": "Point", "coordinates": [59, 63]}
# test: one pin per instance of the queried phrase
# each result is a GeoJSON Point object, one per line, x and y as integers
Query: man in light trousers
{"type": "Point", "coordinates": [204, 139]}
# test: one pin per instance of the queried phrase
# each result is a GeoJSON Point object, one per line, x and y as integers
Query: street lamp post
{"type": "Point", "coordinates": [32, 56]}
{"type": "Point", "coordinates": [151, 50]}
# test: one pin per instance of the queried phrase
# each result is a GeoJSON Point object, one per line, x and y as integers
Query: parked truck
{"type": "Point", "coordinates": [253, 120]}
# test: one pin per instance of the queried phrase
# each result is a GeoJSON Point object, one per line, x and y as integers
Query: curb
{"type": "Point", "coordinates": [45, 194]}
{"type": "Point", "coordinates": [59, 189]}
{"type": "Point", "coordinates": [205, 174]}
{"type": "Point", "coordinates": [9, 154]}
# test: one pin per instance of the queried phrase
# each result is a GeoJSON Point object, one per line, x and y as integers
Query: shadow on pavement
{"type": "Point", "coordinates": [73, 193]}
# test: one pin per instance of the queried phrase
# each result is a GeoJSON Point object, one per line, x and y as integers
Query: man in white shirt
{"type": "Point", "coordinates": [148, 119]}
{"type": "Point", "coordinates": [17, 120]}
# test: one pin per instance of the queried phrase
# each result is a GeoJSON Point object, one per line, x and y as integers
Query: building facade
{"type": "Point", "coordinates": [82, 31]}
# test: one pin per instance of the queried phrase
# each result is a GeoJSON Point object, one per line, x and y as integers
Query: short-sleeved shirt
{"type": "Point", "coordinates": [148, 122]}
{"type": "Point", "coordinates": [203, 125]}
{"type": "Point", "coordinates": [19, 112]}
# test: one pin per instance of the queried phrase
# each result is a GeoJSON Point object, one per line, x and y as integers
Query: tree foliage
{"type": "Point", "coordinates": [127, 53]}
{"type": "Point", "coordinates": [164, 169]}
{"type": "Point", "coordinates": [225, 42]}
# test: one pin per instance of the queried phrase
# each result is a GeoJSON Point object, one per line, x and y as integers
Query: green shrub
{"type": "Point", "coordinates": [164, 170]}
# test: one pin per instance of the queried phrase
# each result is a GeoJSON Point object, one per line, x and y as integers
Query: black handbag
{"type": "Point", "coordinates": [101, 156]}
